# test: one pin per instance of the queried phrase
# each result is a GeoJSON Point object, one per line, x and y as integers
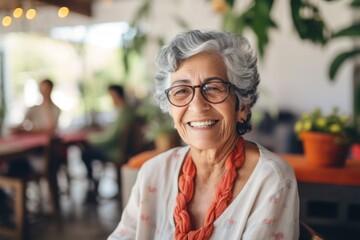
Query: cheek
{"type": "Point", "coordinates": [229, 126]}
{"type": "Point", "coordinates": [230, 116]}
{"type": "Point", "coordinates": [176, 115]}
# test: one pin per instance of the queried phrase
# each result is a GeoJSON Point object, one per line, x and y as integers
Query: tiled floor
{"type": "Point", "coordinates": [90, 222]}
{"type": "Point", "coordinates": [81, 220]}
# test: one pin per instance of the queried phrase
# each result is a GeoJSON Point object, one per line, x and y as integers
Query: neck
{"type": "Point", "coordinates": [210, 163]}
{"type": "Point", "coordinates": [47, 101]}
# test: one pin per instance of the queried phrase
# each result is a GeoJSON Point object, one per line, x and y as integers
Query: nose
{"type": "Point", "coordinates": [198, 103]}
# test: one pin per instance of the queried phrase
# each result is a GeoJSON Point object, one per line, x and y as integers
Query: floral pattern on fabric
{"type": "Point", "coordinates": [267, 208]}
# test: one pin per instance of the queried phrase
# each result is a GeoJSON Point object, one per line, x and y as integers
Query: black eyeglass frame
{"type": "Point", "coordinates": [229, 87]}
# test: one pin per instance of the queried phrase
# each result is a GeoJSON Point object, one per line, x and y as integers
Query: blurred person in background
{"type": "Point", "coordinates": [41, 118]}
{"type": "Point", "coordinates": [105, 145]}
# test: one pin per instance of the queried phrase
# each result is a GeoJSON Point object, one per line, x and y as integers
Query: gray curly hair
{"type": "Point", "coordinates": [239, 59]}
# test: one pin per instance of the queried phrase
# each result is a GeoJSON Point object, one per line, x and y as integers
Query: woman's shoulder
{"type": "Point", "coordinates": [166, 161]}
{"type": "Point", "coordinates": [272, 162]}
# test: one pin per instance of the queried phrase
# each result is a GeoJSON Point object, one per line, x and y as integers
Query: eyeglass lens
{"type": "Point", "coordinates": [213, 92]}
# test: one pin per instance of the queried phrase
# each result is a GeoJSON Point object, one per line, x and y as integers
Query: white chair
{"type": "Point", "coordinates": [128, 178]}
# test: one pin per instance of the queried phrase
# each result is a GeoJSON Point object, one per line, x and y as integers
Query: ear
{"type": "Point", "coordinates": [242, 114]}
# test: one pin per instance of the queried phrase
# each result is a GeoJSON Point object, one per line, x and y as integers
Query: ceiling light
{"type": "Point", "coordinates": [63, 12]}
{"type": "Point", "coordinates": [6, 21]}
{"type": "Point", "coordinates": [17, 13]}
{"type": "Point", "coordinates": [31, 14]}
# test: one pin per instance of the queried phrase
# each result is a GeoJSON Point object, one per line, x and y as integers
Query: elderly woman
{"type": "Point", "coordinates": [219, 186]}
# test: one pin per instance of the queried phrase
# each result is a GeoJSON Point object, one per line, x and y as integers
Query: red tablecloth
{"type": "Point", "coordinates": [18, 144]}
{"type": "Point", "coordinates": [71, 137]}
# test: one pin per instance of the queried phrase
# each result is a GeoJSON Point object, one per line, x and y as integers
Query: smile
{"type": "Point", "coordinates": [203, 124]}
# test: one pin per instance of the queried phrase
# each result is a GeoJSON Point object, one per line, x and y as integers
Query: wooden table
{"type": "Point", "coordinates": [329, 197]}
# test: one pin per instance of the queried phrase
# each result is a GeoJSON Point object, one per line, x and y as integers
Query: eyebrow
{"type": "Point", "coordinates": [187, 81]}
{"type": "Point", "coordinates": [181, 82]}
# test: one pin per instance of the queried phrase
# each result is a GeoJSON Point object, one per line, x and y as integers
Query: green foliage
{"type": "Point", "coordinates": [339, 60]}
{"type": "Point", "coordinates": [349, 31]}
{"type": "Point", "coordinates": [256, 18]}
{"type": "Point", "coordinates": [355, 3]}
{"type": "Point", "coordinates": [2, 110]}
{"type": "Point", "coordinates": [307, 20]}
{"type": "Point", "coordinates": [309, 26]}
{"type": "Point", "coordinates": [230, 2]}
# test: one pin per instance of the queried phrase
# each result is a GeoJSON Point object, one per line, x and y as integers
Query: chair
{"type": "Point", "coordinates": [128, 178]}
{"type": "Point", "coordinates": [16, 186]}
{"type": "Point", "coordinates": [131, 143]}
{"type": "Point", "coordinates": [129, 172]}
{"type": "Point", "coordinates": [46, 167]}
{"type": "Point", "coordinates": [307, 233]}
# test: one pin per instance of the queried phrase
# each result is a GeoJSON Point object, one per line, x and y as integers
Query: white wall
{"type": "Point", "coordinates": [294, 72]}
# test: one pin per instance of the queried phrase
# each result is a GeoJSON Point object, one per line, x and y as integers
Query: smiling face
{"type": "Point", "coordinates": [201, 124]}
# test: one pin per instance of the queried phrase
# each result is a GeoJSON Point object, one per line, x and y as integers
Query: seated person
{"type": "Point", "coordinates": [105, 145]}
{"type": "Point", "coordinates": [41, 118]}
{"type": "Point", "coordinates": [219, 186]}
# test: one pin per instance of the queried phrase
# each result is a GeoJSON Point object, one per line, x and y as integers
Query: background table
{"type": "Point", "coordinates": [15, 145]}
{"type": "Point", "coordinates": [329, 197]}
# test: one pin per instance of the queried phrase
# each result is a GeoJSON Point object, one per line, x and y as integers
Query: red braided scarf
{"type": "Point", "coordinates": [223, 195]}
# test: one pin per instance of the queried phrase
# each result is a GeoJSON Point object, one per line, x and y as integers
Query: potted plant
{"type": "Point", "coordinates": [326, 138]}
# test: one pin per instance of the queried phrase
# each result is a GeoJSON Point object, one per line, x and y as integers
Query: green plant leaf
{"type": "Point", "coordinates": [350, 31]}
{"type": "Point", "coordinates": [233, 23]}
{"type": "Point", "coordinates": [311, 28]}
{"type": "Point", "coordinates": [340, 59]}
{"type": "Point", "coordinates": [230, 2]}
{"type": "Point", "coordinates": [355, 3]}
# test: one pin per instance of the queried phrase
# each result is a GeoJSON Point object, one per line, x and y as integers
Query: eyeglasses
{"type": "Point", "coordinates": [215, 91]}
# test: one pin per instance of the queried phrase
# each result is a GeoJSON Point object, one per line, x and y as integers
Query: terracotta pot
{"type": "Point", "coordinates": [324, 150]}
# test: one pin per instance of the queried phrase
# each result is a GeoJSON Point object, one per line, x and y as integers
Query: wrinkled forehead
{"type": "Point", "coordinates": [200, 67]}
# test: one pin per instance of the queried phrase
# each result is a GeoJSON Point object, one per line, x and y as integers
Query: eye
{"type": "Point", "coordinates": [214, 87]}
{"type": "Point", "coordinates": [181, 91]}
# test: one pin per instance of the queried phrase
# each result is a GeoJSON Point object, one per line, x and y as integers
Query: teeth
{"type": "Point", "coordinates": [201, 124]}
